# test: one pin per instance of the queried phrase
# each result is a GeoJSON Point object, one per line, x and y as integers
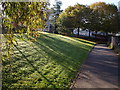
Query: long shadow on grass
{"type": "Point", "coordinates": [66, 54]}
{"type": "Point", "coordinates": [54, 56]}
{"type": "Point", "coordinates": [62, 52]}
{"type": "Point", "coordinates": [65, 43]}
{"type": "Point", "coordinates": [35, 69]}
{"type": "Point", "coordinates": [56, 48]}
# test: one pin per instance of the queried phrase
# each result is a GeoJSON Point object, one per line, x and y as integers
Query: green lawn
{"type": "Point", "coordinates": [50, 62]}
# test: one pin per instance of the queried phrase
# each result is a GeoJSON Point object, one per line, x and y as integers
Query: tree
{"type": "Point", "coordinates": [64, 23]}
{"type": "Point", "coordinates": [94, 22]}
{"type": "Point", "coordinates": [57, 7]}
{"type": "Point", "coordinates": [76, 16]}
{"type": "Point", "coordinates": [107, 16]}
{"type": "Point", "coordinates": [96, 17]}
{"type": "Point", "coordinates": [57, 10]}
{"type": "Point", "coordinates": [32, 15]}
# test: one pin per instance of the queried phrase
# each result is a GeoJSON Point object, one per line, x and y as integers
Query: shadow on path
{"type": "Point", "coordinates": [100, 70]}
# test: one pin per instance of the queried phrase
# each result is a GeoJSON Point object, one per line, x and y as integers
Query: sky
{"type": "Point", "coordinates": [67, 3]}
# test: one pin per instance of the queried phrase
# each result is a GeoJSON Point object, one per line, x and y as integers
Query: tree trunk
{"type": "Point", "coordinates": [106, 33]}
{"type": "Point", "coordinates": [78, 32]}
{"type": "Point", "coordinates": [89, 33]}
{"type": "Point", "coordinates": [95, 34]}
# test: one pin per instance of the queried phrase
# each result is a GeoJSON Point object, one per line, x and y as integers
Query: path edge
{"type": "Point", "coordinates": [80, 69]}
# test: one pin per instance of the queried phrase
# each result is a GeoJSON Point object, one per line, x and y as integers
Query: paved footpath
{"type": "Point", "coordinates": [100, 69]}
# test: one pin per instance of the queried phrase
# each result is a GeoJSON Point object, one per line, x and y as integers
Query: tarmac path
{"type": "Point", "coordinates": [100, 69]}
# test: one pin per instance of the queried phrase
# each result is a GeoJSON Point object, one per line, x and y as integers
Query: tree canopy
{"type": "Point", "coordinates": [57, 7]}
{"type": "Point", "coordinates": [98, 16]}
{"type": "Point", "coordinates": [76, 16]}
{"type": "Point", "coordinates": [107, 14]}
{"type": "Point", "coordinates": [21, 18]}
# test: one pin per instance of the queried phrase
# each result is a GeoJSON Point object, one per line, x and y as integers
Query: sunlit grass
{"type": "Point", "coordinates": [50, 62]}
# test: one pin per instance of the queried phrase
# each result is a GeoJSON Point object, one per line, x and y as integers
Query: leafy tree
{"type": "Point", "coordinates": [94, 22]}
{"type": "Point", "coordinates": [57, 10]}
{"type": "Point", "coordinates": [57, 7]}
{"type": "Point", "coordinates": [31, 15]}
{"type": "Point", "coordinates": [64, 23]}
{"type": "Point", "coordinates": [76, 16]}
{"type": "Point", "coordinates": [107, 16]}
{"type": "Point", "coordinates": [96, 17]}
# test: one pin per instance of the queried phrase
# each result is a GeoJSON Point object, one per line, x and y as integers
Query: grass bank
{"type": "Point", "coordinates": [50, 62]}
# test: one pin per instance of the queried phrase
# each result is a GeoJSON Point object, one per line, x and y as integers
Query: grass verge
{"type": "Point", "coordinates": [50, 62]}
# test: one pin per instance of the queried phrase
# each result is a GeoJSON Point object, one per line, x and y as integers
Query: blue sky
{"type": "Point", "coordinates": [67, 3]}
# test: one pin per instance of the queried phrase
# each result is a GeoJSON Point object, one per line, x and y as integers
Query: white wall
{"type": "Point", "coordinates": [119, 6]}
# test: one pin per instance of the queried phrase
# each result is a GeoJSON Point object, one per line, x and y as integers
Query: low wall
{"type": "Point", "coordinates": [114, 43]}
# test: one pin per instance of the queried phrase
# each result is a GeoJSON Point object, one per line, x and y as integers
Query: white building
{"type": "Point", "coordinates": [49, 22]}
{"type": "Point", "coordinates": [119, 6]}
{"type": "Point", "coordinates": [83, 32]}
{"type": "Point", "coordinates": [119, 9]}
